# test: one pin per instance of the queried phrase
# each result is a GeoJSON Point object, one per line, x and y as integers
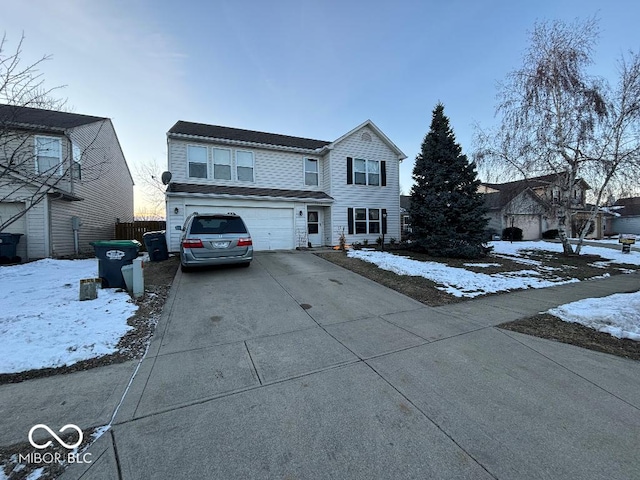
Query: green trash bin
{"type": "Point", "coordinates": [112, 256]}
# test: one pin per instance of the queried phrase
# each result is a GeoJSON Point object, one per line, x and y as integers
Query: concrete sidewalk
{"type": "Point", "coordinates": [297, 368]}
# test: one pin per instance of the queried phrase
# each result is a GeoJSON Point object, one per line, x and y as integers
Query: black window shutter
{"type": "Point", "coordinates": [349, 170]}
{"type": "Point", "coordinates": [384, 221]}
{"type": "Point", "coordinates": [350, 220]}
{"type": "Point", "coordinates": [383, 173]}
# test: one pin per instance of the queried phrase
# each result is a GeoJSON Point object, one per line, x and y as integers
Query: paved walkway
{"type": "Point", "coordinates": [297, 368]}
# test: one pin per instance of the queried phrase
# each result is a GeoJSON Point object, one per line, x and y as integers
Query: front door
{"type": "Point", "coordinates": [314, 227]}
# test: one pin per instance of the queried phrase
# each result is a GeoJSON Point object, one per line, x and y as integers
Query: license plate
{"type": "Point", "coordinates": [220, 244]}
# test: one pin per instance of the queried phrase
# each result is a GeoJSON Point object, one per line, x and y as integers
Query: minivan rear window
{"type": "Point", "coordinates": [217, 225]}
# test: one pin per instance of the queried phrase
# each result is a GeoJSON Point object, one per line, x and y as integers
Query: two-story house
{"type": "Point", "coordinates": [64, 181]}
{"type": "Point", "coordinates": [529, 205]}
{"type": "Point", "coordinates": [291, 191]}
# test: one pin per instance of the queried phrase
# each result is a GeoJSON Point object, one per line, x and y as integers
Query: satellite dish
{"type": "Point", "coordinates": [166, 178]}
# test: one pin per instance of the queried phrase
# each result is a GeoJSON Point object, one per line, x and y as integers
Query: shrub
{"type": "Point", "coordinates": [550, 234]}
{"type": "Point", "coordinates": [512, 233]}
{"type": "Point", "coordinates": [365, 242]}
{"type": "Point", "coordinates": [379, 241]}
{"type": "Point", "coordinates": [392, 242]}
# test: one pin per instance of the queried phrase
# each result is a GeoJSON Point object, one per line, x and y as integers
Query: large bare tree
{"type": "Point", "coordinates": [30, 171]}
{"type": "Point", "coordinates": [557, 119]}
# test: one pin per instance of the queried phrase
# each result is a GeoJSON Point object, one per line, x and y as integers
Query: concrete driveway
{"type": "Point", "coordinates": [296, 368]}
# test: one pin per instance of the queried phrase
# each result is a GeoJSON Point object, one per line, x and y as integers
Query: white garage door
{"type": "Point", "coordinates": [530, 225]}
{"type": "Point", "coordinates": [8, 210]}
{"type": "Point", "coordinates": [270, 228]}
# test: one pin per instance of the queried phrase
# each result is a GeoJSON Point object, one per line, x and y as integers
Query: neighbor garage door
{"type": "Point", "coordinates": [530, 225]}
{"type": "Point", "coordinates": [270, 228]}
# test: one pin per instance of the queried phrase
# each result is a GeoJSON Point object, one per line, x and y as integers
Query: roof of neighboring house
{"type": "Point", "coordinates": [250, 136]}
{"type": "Point", "coordinates": [631, 206]}
{"type": "Point", "coordinates": [39, 118]}
{"type": "Point", "coordinates": [245, 191]}
{"type": "Point", "coordinates": [405, 202]}
{"type": "Point", "coordinates": [507, 191]}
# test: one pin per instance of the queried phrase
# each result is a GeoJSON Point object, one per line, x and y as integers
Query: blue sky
{"type": "Point", "coordinates": [305, 68]}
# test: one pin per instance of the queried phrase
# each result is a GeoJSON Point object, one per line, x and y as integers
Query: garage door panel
{"type": "Point", "coordinates": [270, 228]}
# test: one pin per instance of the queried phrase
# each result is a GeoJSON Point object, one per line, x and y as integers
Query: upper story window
{"type": "Point", "coordinates": [366, 172]}
{"type": "Point", "coordinates": [244, 165]}
{"type": "Point", "coordinates": [197, 158]}
{"type": "Point", "coordinates": [310, 172]}
{"type": "Point", "coordinates": [77, 162]}
{"type": "Point", "coordinates": [48, 155]}
{"type": "Point", "coordinates": [222, 164]}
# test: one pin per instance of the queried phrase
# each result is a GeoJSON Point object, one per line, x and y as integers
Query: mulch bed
{"type": "Point", "coordinates": [552, 328]}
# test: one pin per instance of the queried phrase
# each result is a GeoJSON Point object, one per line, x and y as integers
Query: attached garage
{"type": "Point", "coordinates": [271, 228]}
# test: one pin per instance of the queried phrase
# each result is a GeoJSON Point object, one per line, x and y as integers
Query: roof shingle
{"type": "Point", "coordinates": [37, 117]}
{"type": "Point", "coordinates": [246, 191]}
{"type": "Point", "coordinates": [240, 135]}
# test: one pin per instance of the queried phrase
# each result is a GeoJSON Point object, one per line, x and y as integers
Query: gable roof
{"type": "Point", "coordinates": [28, 117]}
{"type": "Point", "coordinates": [240, 135]}
{"type": "Point", "coordinates": [630, 206]}
{"type": "Point", "coordinates": [507, 191]}
{"type": "Point", "coordinates": [378, 132]}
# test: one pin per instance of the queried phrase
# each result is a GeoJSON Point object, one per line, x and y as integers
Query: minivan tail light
{"type": "Point", "coordinates": [245, 242]}
{"type": "Point", "coordinates": [192, 243]}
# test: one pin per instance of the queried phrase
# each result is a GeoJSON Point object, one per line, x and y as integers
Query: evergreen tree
{"type": "Point", "coordinates": [448, 215]}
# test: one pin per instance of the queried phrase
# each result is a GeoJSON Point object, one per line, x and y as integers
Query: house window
{"type": "Point", "coordinates": [359, 171]}
{"type": "Point", "coordinates": [77, 162]}
{"type": "Point", "coordinates": [364, 221]}
{"type": "Point", "coordinates": [244, 166]}
{"type": "Point", "coordinates": [197, 158]}
{"type": "Point", "coordinates": [374, 220]}
{"type": "Point", "coordinates": [366, 172]}
{"type": "Point", "coordinates": [48, 155]}
{"type": "Point", "coordinates": [221, 164]}
{"type": "Point", "coordinates": [312, 222]}
{"type": "Point", "coordinates": [310, 172]}
{"type": "Point", "coordinates": [361, 221]}
{"type": "Point", "coordinates": [373, 172]}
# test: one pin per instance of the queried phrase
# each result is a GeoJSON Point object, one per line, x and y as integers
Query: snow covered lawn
{"type": "Point", "coordinates": [42, 322]}
{"type": "Point", "coordinates": [462, 282]}
{"type": "Point", "coordinates": [618, 315]}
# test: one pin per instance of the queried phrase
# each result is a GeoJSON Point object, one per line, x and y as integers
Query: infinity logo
{"type": "Point", "coordinates": [52, 433]}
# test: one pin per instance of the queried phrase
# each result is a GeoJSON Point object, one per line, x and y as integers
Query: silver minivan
{"type": "Point", "coordinates": [214, 239]}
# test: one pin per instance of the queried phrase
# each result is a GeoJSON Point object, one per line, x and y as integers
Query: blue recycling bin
{"type": "Point", "coordinates": [112, 256]}
{"type": "Point", "coordinates": [156, 244]}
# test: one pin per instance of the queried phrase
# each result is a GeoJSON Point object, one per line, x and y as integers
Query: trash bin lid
{"type": "Point", "coordinates": [117, 243]}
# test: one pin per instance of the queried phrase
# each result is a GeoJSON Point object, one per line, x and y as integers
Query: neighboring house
{"type": "Point", "coordinates": [405, 218]}
{"type": "Point", "coordinates": [524, 204]}
{"type": "Point", "coordinates": [625, 216]}
{"type": "Point", "coordinates": [292, 192]}
{"type": "Point", "coordinates": [57, 170]}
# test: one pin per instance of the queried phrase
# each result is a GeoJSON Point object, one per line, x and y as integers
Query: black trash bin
{"type": "Point", "coordinates": [156, 243]}
{"type": "Point", "coordinates": [8, 246]}
{"type": "Point", "coordinates": [112, 256]}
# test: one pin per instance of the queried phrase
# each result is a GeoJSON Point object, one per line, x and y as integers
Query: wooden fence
{"type": "Point", "coordinates": [135, 230]}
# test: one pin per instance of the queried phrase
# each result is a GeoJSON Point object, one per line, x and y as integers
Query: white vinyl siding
{"type": "Point", "coordinates": [221, 164]}
{"type": "Point", "coordinates": [197, 157]}
{"type": "Point", "coordinates": [351, 196]}
{"type": "Point", "coordinates": [106, 190]}
{"type": "Point", "coordinates": [244, 166]}
{"type": "Point", "coordinates": [48, 155]}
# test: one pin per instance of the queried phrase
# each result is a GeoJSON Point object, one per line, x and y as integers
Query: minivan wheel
{"type": "Point", "coordinates": [245, 265]}
{"type": "Point", "coordinates": [184, 268]}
